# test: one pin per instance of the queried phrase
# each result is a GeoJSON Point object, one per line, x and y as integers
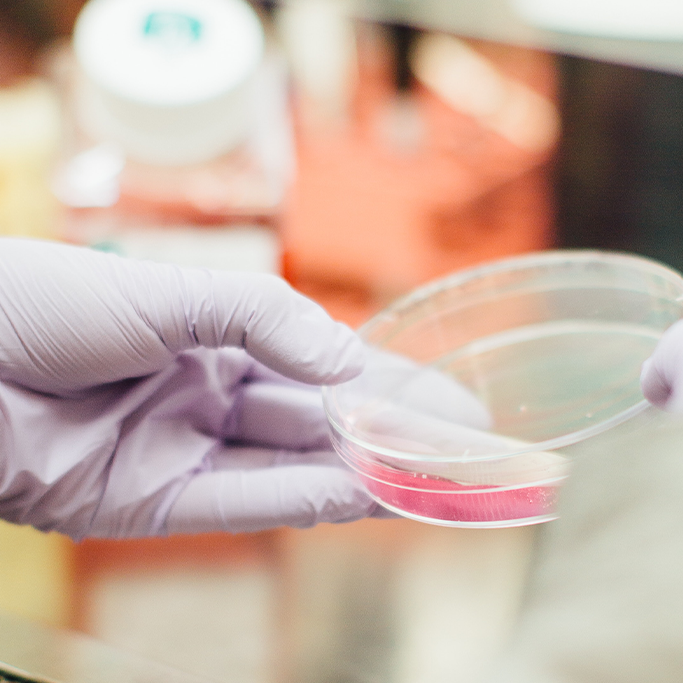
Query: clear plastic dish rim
{"type": "Point", "coordinates": [458, 279]}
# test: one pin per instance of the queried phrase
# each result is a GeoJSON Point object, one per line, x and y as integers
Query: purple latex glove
{"type": "Point", "coordinates": [662, 374]}
{"type": "Point", "coordinates": [140, 399]}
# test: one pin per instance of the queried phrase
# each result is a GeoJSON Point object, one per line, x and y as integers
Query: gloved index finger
{"type": "Point", "coordinates": [276, 325]}
{"type": "Point", "coordinates": [72, 318]}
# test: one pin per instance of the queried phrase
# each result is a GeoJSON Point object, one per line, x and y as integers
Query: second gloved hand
{"type": "Point", "coordinates": [662, 375]}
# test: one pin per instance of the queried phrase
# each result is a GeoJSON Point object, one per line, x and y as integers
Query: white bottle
{"type": "Point", "coordinates": [167, 80]}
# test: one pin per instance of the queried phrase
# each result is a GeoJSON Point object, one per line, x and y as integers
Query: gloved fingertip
{"type": "Point", "coordinates": [657, 390]}
{"type": "Point", "coordinates": [295, 336]}
{"type": "Point", "coordinates": [351, 358]}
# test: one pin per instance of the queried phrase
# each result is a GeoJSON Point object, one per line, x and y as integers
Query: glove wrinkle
{"type": "Point", "coordinates": [245, 334]}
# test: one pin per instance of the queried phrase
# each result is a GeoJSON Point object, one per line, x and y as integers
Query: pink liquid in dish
{"type": "Point", "coordinates": [442, 499]}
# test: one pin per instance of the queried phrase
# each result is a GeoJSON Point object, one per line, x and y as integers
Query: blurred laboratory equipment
{"type": "Point", "coordinates": [472, 85]}
{"type": "Point", "coordinates": [29, 130]}
{"type": "Point", "coordinates": [656, 20]}
{"type": "Point", "coordinates": [35, 577]}
{"type": "Point", "coordinates": [29, 143]}
{"type": "Point", "coordinates": [401, 125]}
{"type": "Point", "coordinates": [176, 116]}
{"type": "Point", "coordinates": [416, 183]}
{"type": "Point", "coordinates": [320, 41]}
{"type": "Point", "coordinates": [583, 29]}
{"type": "Point", "coordinates": [176, 94]}
{"type": "Point", "coordinates": [619, 178]}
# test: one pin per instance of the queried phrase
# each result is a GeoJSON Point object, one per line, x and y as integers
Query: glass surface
{"type": "Point", "coordinates": [482, 387]}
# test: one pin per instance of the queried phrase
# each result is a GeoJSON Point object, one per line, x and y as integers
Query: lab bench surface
{"type": "Point", "coordinates": [32, 653]}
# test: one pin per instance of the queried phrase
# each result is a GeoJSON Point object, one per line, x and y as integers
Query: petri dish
{"type": "Point", "coordinates": [482, 388]}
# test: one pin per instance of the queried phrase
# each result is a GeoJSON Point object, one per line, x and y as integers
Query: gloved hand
{"type": "Point", "coordinates": [140, 399]}
{"type": "Point", "coordinates": [662, 375]}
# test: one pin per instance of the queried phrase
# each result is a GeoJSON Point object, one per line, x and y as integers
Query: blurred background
{"type": "Point", "coordinates": [359, 150]}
